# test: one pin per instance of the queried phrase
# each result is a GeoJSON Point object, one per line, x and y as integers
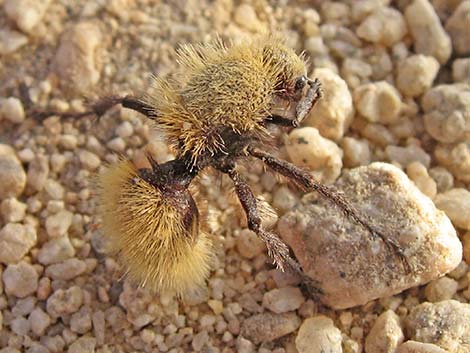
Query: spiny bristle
{"type": "Point", "coordinates": [148, 235]}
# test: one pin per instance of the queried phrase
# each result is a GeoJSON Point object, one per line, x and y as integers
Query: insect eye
{"type": "Point", "coordinates": [300, 83]}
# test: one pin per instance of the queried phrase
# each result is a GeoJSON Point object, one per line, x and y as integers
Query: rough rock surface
{"type": "Point", "coordinates": [318, 334]}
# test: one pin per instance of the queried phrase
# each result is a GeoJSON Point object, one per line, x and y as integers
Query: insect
{"type": "Point", "coordinates": [215, 113]}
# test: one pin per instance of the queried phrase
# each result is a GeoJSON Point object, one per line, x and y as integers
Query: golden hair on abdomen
{"type": "Point", "coordinates": [148, 233]}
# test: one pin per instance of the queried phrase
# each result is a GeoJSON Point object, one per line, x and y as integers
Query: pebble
{"type": "Point", "coordinates": [125, 129]}
{"type": "Point", "coordinates": [307, 148]}
{"type": "Point", "coordinates": [75, 59]}
{"type": "Point", "coordinates": [38, 172]}
{"type": "Point", "coordinates": [249, 245]}
{"type": "Point", "coordinates": [56, 250]}
{"type": "Point", "coordinates": [83, 344]}
{"type": "Point", "coordinates": [64, 302]}
{"type": "Point", "coordinates": [244, 345]}
{"type": "Point", "coordinates": [66, 270]}
{"type": "Point", "coordinates": [318, 335]}
{"type": "Point", "coordinates": [446, 113]}
{"type": "Point", "coordinates": [20, 280]}
{"type": "Point", "coordinates": [356, 152]}
{"type": "Point", "coordinates": [461, 70]}
{"type": "Point", "coordinates": [378, 102]}
{"type": "Point", "coordinates": [199, 340]}
{"type": "Point", "coordinates": [443, 178]}
{"type": "Point", "coordinates": [12, 210]}
{"type": "Point", "coordinates": [99, 326]}
{"type": "Point", "coordinates": [58, 224]}
{"type": "Point", "coordinates": [456, 158]}
{"type": "Point", "coordinates": [12, 109]}
{"type": "Point", "coordinates": [20, 326]}
{"type": "Point", "coordinates": [456, 204]}
{"type": "Point", "coordinates": [15, 242]}
{"type": "Point", "coordinates": [11, 41]}
{"type": "Point", "coordinates": [117, 144]}
{"type": "Point", "coordinates": [418, 173]}
{"type": "Point", "coordinates": [245, 16]}
{"type": "Point", "coordinates": [441, 289]}
{"type": "Point", "coordinates": [80, 322]}
{"type": "Point", "coordinates": [267, 326]}
{"type": "Point", "coordinates": [418, 347]}
{"type": "Point", "coordinates": [415, 74]}
{"type": "Point", "coordinates": [54, 190]}
{"type": "Point", "coordinates": [445, 324]}
{"type": "Point", "coordinates": [383, 26]}
{"type": "Point", "coordinates": [333, 114]}
{"type": "Point", "coordinates": [25, 13]}
{"type": "Point", "coordinates": [457, 26]}
{"type": "Point", "coordinates": [322, 238]}
{"type": "Point", "coordinates": [284, 199]}
{"type": "Point", "coordinates": [406, 155]}
{"type": "Point", "coordinates": [426, 29]}
{"type": "Point", "coordinates": [385, 335]}
{"type": "Point", "coordinates": [282, 300]}
{"type": "Point", "coordinates": [39, 321]}
{"type": "Point", "coordinates": [12, 175]}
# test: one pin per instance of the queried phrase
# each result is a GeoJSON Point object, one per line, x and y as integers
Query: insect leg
{"type": "Point", "coordinates": [306, 104]}
{"type": "Point", "coordinates": [305, 180]}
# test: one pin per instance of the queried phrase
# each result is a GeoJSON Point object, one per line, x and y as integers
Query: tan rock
{"type": "Point", "coordinates": [318, 334]}
{"type": "Point", "coordinates": [385, 335]}
{"type": "Point", "coordinates": [418, 347]}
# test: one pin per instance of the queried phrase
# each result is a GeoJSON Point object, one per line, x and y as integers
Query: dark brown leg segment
{"type": "Point", "coordinates": [303, 179]}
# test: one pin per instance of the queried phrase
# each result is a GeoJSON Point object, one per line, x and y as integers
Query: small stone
{"type": "Point", "coordinates": [39, 321]}
{"type": "Point", "coordinates": [283, 300]}
{"type": "Point", "coordinates": [447, 117]}
{"type": "Point", "coordinates": [379, 135]}
{"type": "Point", "coordinates": [385, 335]}
{"type": "Point", "coordinates": [441, 289]}
{"type": "Point", "coordinates": [427, 31]}
{"type": "Point", "coordinates": [12, 210]}
{"type": "Point", "coordinates": [418, 347]}
{"type": "Point", "coordinates": [456, 204]}
{"type": "Point", "coordinates": [57, 225]}
{"type": "Point", "coordinates": [318, 233]}
{"type": "Point", "coordinates": [307, 148]}
{"type": "Point", "coordinates": [64, 302]}
{"type": "Point", "coordinates": [378, 102]}
{"type": "Point", "coordinates": [245, 16]}
{"type": "Point", "coordinates": [356, 152]}
{"type": "Point", "coordinates": [416, 74]}
{"type": "Point", "coordinates": [66, 270]}
{"type": "Point", "coordinates": [456, 158]}
{"type": "Point", "coordinates": [445, 324]}
{"type": "Point", "coordinates": [15, 242]}
{"type": "Point", "coordinates": [249, 245]}
{"type": "Point", "coordinates": [25, 13]}
{"type": "Point", "coordinates": [284, 199]}
{"type": "Point", "coordinates": [199, 340]}
{"type": "Point", "coordinates": [267, 326]}
{"type": "Point", "coordinates": [318, 335]}
{"type": "Point", "coordinates": [12, 110]}
{"type": "Point", "coordinates": [461, 70]}
{"type": "Point", "coordinates": [244, 345]}
{"type": "Point", "coordinates": [80, 322]}
{"type": "Point", "coordinates": [54, 190]}
{"type": "Point", "coordinates": [334, 112]}
{"type": "Point", "coordinates": [383, 26]}
{"type": "Point", "coordinates": [406, 155]}
{"type": "Point", "coordinates": [125, 129]}
{"type": "Point", "coordinates": [20, 326]}
{"type": "Point", "coordinates": [99, 326]}
{"type": "Point", "coordinates": [457, 27]}
{"type": "Point", "coordinates": [117, 144]}
{"type": "Point", "coordinates": [12, 176]}
{"type": "Point", "coordinates": [75, 59]}
{"type": "Point", "coordinates": [56, 250]}
{"type": "Point", "coordinates": [83, 344]}
{"type": "Point", "coordinates": [11, 41]}
{"type": "Point", "coordinates": [24, 306]}
{"type": "Point", "coordinates": [20, 280]}
{"type": "Point", "coordinates": [38, 172]}
{"type": "Point", "coordinates": [418, 173]}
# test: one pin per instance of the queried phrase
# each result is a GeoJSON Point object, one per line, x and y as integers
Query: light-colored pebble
{"type": "Point", "coordinates": [267, 326]}
{"type": "Point", "coordinates": [12, 210]}
{"type": "Point", "coordinates": [418, 347]}
{"type": "Point", "coordinates": [199, 340]}
{"type": "Point", "coordinates": [356, 152]}
{"type": "Point", "coordinates": [307, 148]}
{"type": "Point", "coordinates": [38, 172]}
{"type": "Point", "coordinates": [418, 173]}
{"type": "Point", "coordinates": [54, 190]}
{"type": "Point", "coordinates": [385, 335]}
{"type": "Point", "coordinates": [441, 289]}
{"type": "Point", "coordinates": [282, 300]}
{"type": "Point", "coordinates": [406, 155]}
{"type": "Point", "coordinates": [80, 322]}
{"type": "Point", "coordinates": [456, 204]}
{"type": "Point", "coordinates": [20, 326]}
{"type": "Point", "coordinates": [416, 74]}
{"type": "Point", "coordinates": [456, 158]}
{"type": "Point", "coordinates": [249, 245]}
{"type": "Point", "coordinates": [75, 59]}
{"type": "Point", "coordinates": [383, 26]}
{"type": "Point", "coordinates": [25, 13]}
{"type": "Point", "coordinates": [445, 324]}
{"type": "Point", "coordinates": [333, 114]}
{"type": "Point", "coordinates": [39, 321]}
{"type": "Point", "coordinates": [461, 70]}
{"type": "Point", "coordinates": [56, 250]}
{"type": "Point", "coordinates": [245, 16]}
{"type": "Point", "coordinates": [11, 41]}
{"type": "Point", "coordinates": [84, 344]}
{"type": "Point", "coordinates": [447, 117]}
{"type": "Point", "coordinates": [64, 301]}
{"type": "Point", "coordinates": [457, 26]}
{"type": "Point", "coordinates": [58, 224]}
{"type": "Point", "coordinates": [20, 280]}
{"type": "Point", "coordinates": [125, 129]}
{"type": "Point", "coordinates": [67, 269]}
{"type": "Point", "coordinates": [284, 199]}
{"type": "Point", "coordinates": [12, 109]}
{"type": "Point", "coordinates": [443, 178]}
{"type": "Point", "coordinates": [426, 29]}
{"type": "Point", "coordinates": [317, 335]}
{"type": "Point", "coordinates": [99, 326]}
{"type": "Point", "coordinates": [15, 242]}
{"type": "Point", "coordinates": [12, 176]}
{"type": "Point", "coordinates": [401, 212]}
{"type": "Point", "coordinates": [378, 102]}
{"type": "Point", "coordinates": [244, 345]}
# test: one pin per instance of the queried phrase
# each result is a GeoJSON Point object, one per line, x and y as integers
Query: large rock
{"type": "Point", "coordinates": [351, 266]}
